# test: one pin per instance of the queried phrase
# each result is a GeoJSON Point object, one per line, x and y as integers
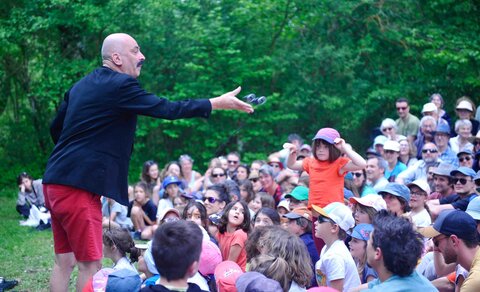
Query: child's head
{"type": "Point", "coordinates": [150, 171]}
{"type": "Point", "coordinates": [323, 146]}
{"type": "Point", "coordinates": [235, 215]}
{"type": "Point", "coordinates": [365, 208]}
{"type": "Point", "coordinates": [275, 268]}
{"type": "Point", "coordinates": [168, 215]}
{"type": "Point", "coordinates": [358, 244]}
{"type": "Point", "coordinates": [266, 217]}
{"type": "Point", "coordinates": [142, 193]}
{"type": "Point", "coordinates": [118, 240]}
{"type": "Point", "coordinates": [333, 221]}
{"type": "Point", "coordinates": [246, 190]}
{"type": "Point", "coordinates": [171, 186]}
{"type": "Point", "coordinates": [196, 212]}
{"type": "Point", "coordinates": [176, 250]}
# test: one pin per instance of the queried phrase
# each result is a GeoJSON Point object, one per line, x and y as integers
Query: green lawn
{"type": "Point", "coordinates": [26, 254]}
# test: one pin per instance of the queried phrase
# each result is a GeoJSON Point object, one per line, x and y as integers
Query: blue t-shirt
{"type": "Point", "coordinates": [392, 175]}
{"type": "Point", "coordinates": [413, 282]}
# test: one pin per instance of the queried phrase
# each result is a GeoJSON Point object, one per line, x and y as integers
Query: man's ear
{"type": "Point", "coordinates": [116, 59]}
{"type": "Point", "coordinates": [378, 253]}
{"type": "Point", "coordinates": [192, 269]}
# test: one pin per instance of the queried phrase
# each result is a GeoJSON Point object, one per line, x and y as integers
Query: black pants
{"type": "Point", "coordinates": [24, 210]}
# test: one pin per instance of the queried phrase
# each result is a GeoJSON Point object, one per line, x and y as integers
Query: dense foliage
{"type": "Point", "coordinates": [320, 63]}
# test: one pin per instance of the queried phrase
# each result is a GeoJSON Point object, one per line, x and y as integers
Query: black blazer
{"type": "Point", "coordinates": [94, 131]}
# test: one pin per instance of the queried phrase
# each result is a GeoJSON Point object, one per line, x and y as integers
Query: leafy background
{"type": "Point", "coordinates": [320, 63]}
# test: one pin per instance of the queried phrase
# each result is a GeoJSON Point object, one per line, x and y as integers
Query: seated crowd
{"type": "Point", "coordinates": [409, 216]}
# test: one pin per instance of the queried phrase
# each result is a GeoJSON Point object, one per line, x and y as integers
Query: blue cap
{"type": "Point", "coordinates": [362, 231]}
{"type": "Point", "coordinates": [465, 151]}
{"type": "Point", "coordinates": [477, 176]}
{"type": "Point", "coordinates": [443, 128]}
{"type": "Point", "coordinates": [452, 222]}
{"type": "Point", "coordinates": [170, 180]}
{"type": "Point", "coordinates": [465, 171]}
{"type": "Point", "coordinates": [473, 208]}
{"type": "Point", "coordinates": [396, 189]}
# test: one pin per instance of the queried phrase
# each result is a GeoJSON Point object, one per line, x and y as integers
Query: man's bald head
{"type": "Point", "coordinates": [113, 43]}
{"type": "Point", "coordinates": [121, 53]}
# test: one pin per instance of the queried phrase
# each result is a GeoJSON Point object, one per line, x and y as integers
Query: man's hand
{"type": "Point", "coordinates": [229, 100]}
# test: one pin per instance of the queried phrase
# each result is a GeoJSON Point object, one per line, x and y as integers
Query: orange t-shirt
{"type": "Point", "coordinates": [326, 182]}
{"type": "Point", "coordinates": [227, 240]}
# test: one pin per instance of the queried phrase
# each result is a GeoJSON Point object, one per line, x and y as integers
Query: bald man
{"type": "Point", "coordinates": [93, 133]}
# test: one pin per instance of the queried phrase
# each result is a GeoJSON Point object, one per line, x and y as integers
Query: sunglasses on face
{"type": "Point", "coordinates": [254, 180]}
{"type": "Point", "coordinates": [322, 219]}
{"type": "Point", "coordinates": [389, 151]}
{"type": "Point", "coordinates": [463, 181]}
{"type": "Point", "coordinates": [466, 158]}
{"type": "Point", "coordinates": [357, 174]}
{"type": "Point", "coordinates": [218, 174]}
{"type": "Point", "coordinates": [436, 240]}
{"type": "Point", "coordinates": [429, 150]}
{"type": "Point", "coordinates": [211, 200]}
{"type": "Point", "coordinates": [232, 161]}
{"type": "Point", "coordinates": [401, 108]}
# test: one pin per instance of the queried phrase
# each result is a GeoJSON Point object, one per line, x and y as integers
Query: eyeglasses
{"type": "Point", "coordinates": [387, 129]}
{"type": "Point", "coordinates": [218, 174]}
{"type": "Point", "coordinates": [211, 200]}
{"type": "Point", "coordinates": [402, 108]}
{"type": "Point", "coordinates": [232, 161]}
{"type": "Point", "coordinates": [429, 150]}
{"type": "Point", "coordinates": [418, 193]}
{"type": "Point", "coordinates": [466, 158]}
{"type": "Point", "coordinates": [254, 180]}
{"type": "Point", "coordinates": [437, 239]}
{"type": "Point", "coordinates": [322, 219]}
{"type": "Point", "coordinates": [389, 151]}
{"type": "Point", "coordinates": [463, 181]}
{"type": "Point", "coordinates": [357, 174]}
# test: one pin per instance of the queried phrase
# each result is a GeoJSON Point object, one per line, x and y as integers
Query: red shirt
{"type": "Point", "coordinates": [227, 240]}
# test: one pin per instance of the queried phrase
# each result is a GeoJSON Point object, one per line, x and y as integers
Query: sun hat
{"type": "Point", "coordinates": [429, 107]}
{"type": "Point", "coordinates": [442, 128]}
{"type": "Point", "coordinates": [362, 231]}
{"type": "Point", "coordinates": [327, 134]}
{"type": "Point", "coordinates": [379, 140]}
{"type": "Point", "coordinates": [465, 105]}
{"type": "Point", "coordinates": [339, 213]}
{"type": "Point", "coordinates": [397, 190]}
{"type": "Point", "coordinates": [301, 212]}
{"type": "Point", "coordinates": [443, 169]}
{"type": "Point", "coordinates": [391, 145]}
{"type": "Point", "coordinates": [299, 193]}
{"type": "Point", "coordinates": [452, 222]}
{"type": "Point", "coordinates": [422, 184]}
{"type": "Point", "coordinates": [373, 200]}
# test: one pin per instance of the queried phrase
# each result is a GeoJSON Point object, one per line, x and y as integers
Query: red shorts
{"type": "Point", "coordinates": [76, 221]}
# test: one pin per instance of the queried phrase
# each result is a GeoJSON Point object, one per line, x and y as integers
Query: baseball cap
{"type": "Point", "coordinates": [327, 134]}
{"type": "Point", "coordinates": [299, 193]}
{"type": "Point", "coordinates": [442, 128]}
{"type": "Point", "coordinates": [166, 211]}
{"type": "Point", "coordinates": [422, 184]}
{"type": "Point", "coordinates": [464, 105]}
{"type": "Point", "coordinates": [443, 169]}
{"type": "Point", "coordinates": [372, 200]}
{"type": "Point", "coordinates": [362, 231]}
{"type": "Point", "coordinates": [473, 208]}
{"type": "Point", "coordinates": [210, 258]}
{"type": "Point", "coordinates": [226, 274]}
{"type": "Point", "coordinates": [253, 175]}
{"type": "Point", "coordinates": [170, 180]}
{"type": "Point", "coordinates": [372, 151]}
{"type": "Point", "coordinates": [465, 151]}
{"type": "Point", "coordinates": [452, 222]}
{"type": "Point", "coordinates": [465, 171]}
{"type": "Point", "coordinates": [301, 212]}
{"type": "Point", "coordinates": [380, 139]}
{"type": "Point", "coordinates": [256, 282]}
{"type": "Point", "coordinates": [284, 204]}
{"type": "Point", "coordinates": [339, 213]}
{"type": "Point", "coordinates": [306, 147]}
{"type": "Point", "coordinates": [429, 107]}
{"type": "Point", "coordinates": [391, 145]}
{"type": "Point", "coordinates": [397, 190]}
{"type": "Point", "coordinates": [477, 176]}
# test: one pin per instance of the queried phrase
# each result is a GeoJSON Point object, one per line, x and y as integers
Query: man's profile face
{"type": "Point", "coordinates": [372, 169]}
{"type": "Point", "coordinates": [402, 109]}
{"type": "Point", "coordinates": [132, 58]}
{"type": "Point", "coordinates": [370, 251]}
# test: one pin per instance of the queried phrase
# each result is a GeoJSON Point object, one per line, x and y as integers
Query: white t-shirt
{"type": "Point", "coordinates": [163, 205]}
{"type": "Point", "coordinates": [124, 263]}
{"type": "Point", "coordinates": [337, 263]}
{"type": "Point", "coordinates": [421, 219]}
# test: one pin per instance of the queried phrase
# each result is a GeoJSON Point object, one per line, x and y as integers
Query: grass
{"type": "Point", "coordinates": [26, 254]}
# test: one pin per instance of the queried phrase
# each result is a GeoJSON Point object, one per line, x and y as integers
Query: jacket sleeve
{"type": "Point", "coordinates": [57, 123]}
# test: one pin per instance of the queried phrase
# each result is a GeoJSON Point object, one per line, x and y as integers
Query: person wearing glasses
{"type": "Point", "coordinates": [441, 138]}
{"type": "Point", "coordinates": [420, 168]}
{"type": "Point", "coordinates": [465, 189]}
{"type": "Point", "coordinates": [391, 152]}
{"type": "Point", "coordinates": [455, 236]}
{"type": "Point", "coordinates": [419, 192]}
{"type": "Point", "coordinates": [428, 126]}
{"type": "Point", "coordinates": [389, 130]}
{"type": "Point", "coordinates": [233, 159]}
{"type": "Point", "coordinates": [215, 199]}
{"type": "Point", "coordinates": [465, 158]}
{"type": "Point", "coordinates": [407, 124]}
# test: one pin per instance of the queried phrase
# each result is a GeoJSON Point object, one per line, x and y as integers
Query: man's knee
{"type": "Point", "coordinates": [65, 261]}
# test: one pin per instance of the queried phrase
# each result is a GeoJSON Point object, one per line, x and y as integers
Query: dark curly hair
{"type": "Point", "coordinates": [224, 219]}
{"type": "Point", "coordinates": [222, 192]}
{"type": "Point", "coordinates": [401, 246]}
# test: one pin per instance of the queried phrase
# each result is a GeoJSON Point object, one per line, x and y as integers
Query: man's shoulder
{"type": "Point", "coordinates": [412, 118]}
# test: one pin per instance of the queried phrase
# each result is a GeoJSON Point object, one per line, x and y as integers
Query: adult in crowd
{"type": "Point", "coordinates": [216, 198]}
{"type": "Point", "coordinates": [430, 109]}
{"type": "Point", "coordinates": [441, 138]}
{"type": "Point", "coordinates": [30, 193]}
{"type": "Point", "coordinates": [465, 109]}
{"type": "Point", "coordinates": [442, 181]}
{"type": "Point", "coordinates": [389, 130]}
{"type": "Point", "coordinates": [243, 171]}
{"type": "Point", "coordinates": [408, 154]}
{"type": "Point", "coordinates": [465, 158]}
{"type": "Point", "coordinates": [407, 124]}
{"type": "Point", "coordinates": [438, 101]}
{"type": "Point", "coordinates": [93, 134]}
{"type": "Point", "coordinates": [393, 251]}
{"type": "Point", "coordinates": [360, 182]}
{"type": "Point", "coordinates": [254, 178]}
{"type": "Point", "coordinates": [190, 177]}
{"type": "Point", "coordinates": [233, 159]}
{"type": "Point", "coordinates": [455, 235]}
{"type": "Point", "coordinates": [267, 179]}
{"type": "Point", "coordinates": [298, 197]}
{"type": "Point", "coordinates": [376, 173]}
{"type": "Point", "coordinates": [461, 141]}
{"type": "Point", "coordinates": [464, 187]}
{"type": "Point", "coordinates": [428, 126]}
{"type": "Point", "coordinates": [397, 198]}
{"type": "Point", "coordinates": [378, 144]}
{"type": "Point", "coordinates": [391, 152]}
{"type": "Point", "coordinates": [420, 169]}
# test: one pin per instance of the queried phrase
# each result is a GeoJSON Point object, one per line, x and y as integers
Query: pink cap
{"type": "Point", "coordinates": [210, 257]}
{"type": "Point", "coordinates": [226, 274]}
{"type": "Point", "coordinates": [374, 201]}
{"type": "Point", "coordinates": [327, 134]}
